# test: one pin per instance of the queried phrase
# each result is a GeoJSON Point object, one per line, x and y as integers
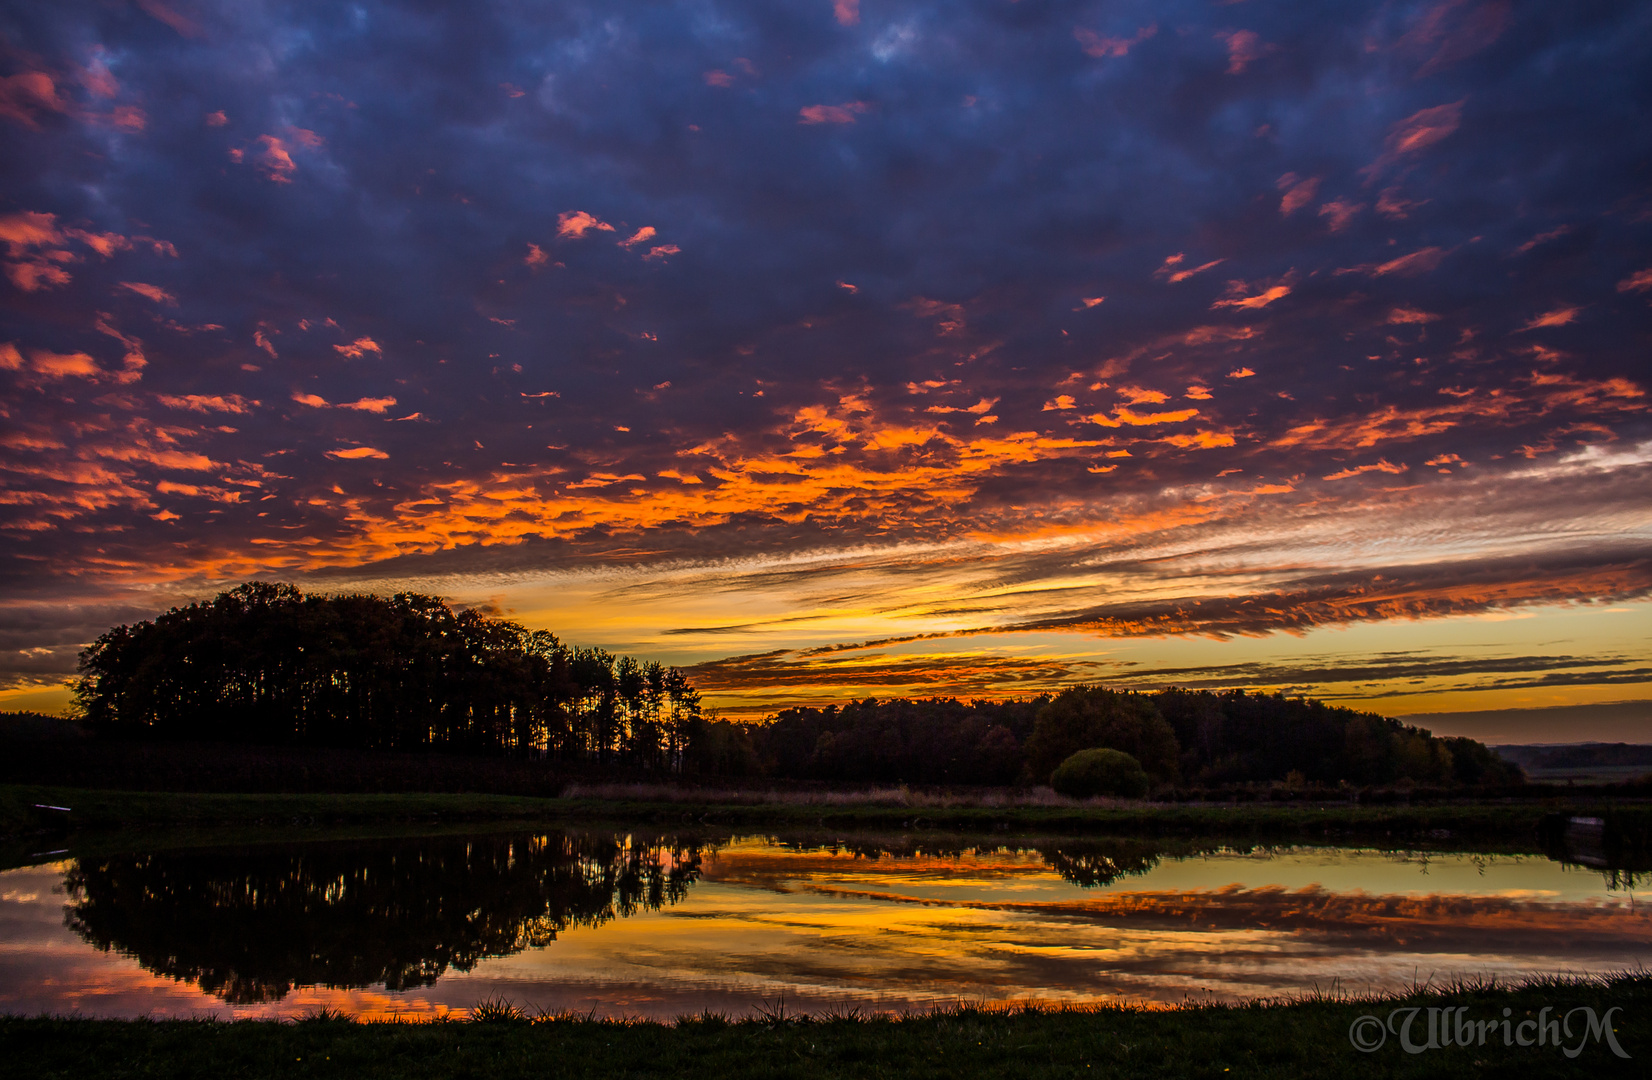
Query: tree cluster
{"type": "Point", "coordinates": [266, 664]}
{"type": "Point", "coordinates": [1192, 738]}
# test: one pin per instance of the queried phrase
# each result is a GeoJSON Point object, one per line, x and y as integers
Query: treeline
{"type": "Point", "coordinates": [266, 664]}
{"type": "Point", "coordinates": [1181, 737]}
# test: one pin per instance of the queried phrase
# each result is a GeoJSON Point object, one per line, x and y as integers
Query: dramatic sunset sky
{"type": "Point", "coordinates": [843, 348]}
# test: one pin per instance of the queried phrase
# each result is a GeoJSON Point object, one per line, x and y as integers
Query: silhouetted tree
{"type": "Point", "coordinates": [266, 664]}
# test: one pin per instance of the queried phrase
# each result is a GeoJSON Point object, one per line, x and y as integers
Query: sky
{"type": "Point", "coordinates": [836, 348]}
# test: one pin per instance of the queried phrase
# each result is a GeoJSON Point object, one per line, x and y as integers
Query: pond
{"type": "Point", "coordinates": [637, 924]}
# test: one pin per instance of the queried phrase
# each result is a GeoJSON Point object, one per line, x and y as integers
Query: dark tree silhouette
{"type": "Point", "coordinates": [266, 664]}
{"type": "Point", "coordinates": [250, 924]}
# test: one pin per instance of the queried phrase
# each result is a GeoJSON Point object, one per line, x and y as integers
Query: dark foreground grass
{"type": "Point", "coordinates": [1307, 1038]}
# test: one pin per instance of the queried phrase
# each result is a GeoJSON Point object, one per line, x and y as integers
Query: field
{"type": "Point", "coordinates": [1305, 1038]}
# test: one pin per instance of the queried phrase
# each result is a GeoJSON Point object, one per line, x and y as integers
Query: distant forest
{"type": "Point", "coordinates": [1181, 737]}
{"type": "Point", "coordinates": [265, 664]}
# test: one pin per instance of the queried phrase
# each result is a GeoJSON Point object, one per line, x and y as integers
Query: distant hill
{"type": "Point", "coordinates": [1589, 755]}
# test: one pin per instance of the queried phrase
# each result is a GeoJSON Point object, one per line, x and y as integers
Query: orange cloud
{"type": "Point", "coordinates": [1099, 47]}
{"type": "Point", "coordinates": [26, 95]}
{"type": "Point", "coordinates": [536, 256]}
{"type": "Point", "coordinates": [1125, 416]}
{"type": "Point", "coordinates": [1416, 133]}
{"type": "Point", "coordinates": [370, 405]}
{"type": "Point", "coordinates": [357, 453]}
{"type": "Point", "coordinates": [661, 252]}
{"type": "Point", "coordinates": [1201, 440]}
{"type": "Point", "coordinates": [1175, 277]}
{"type": "Point", "coordinates": [359, 348]}
{"type": "Point", "coordinates": [1382, 466]}
{"type": "Point", "coordinates": [1400, 316]}
{"type": "Point", "coordinates": [1391, 204]}
{"type": "Point", "coordinates": [1135, 395]}
{"type": "Point", "coordinates": [1557, 317]}
{"type": "Point", "coordinates": [1418, 262]}
{"type": "Point", "coordinates": [202, 403]}
{"type": "Point", "coordinates": [1063, 401]}
{"type": "Point", "coordinates": [1639, 281]}
{"type": "Point", "coordinates": [1341, 212]}
{"type": "Point", "coordinates": [833, 114]}
{"type": "Point", "coordinates": [1298, 192]}
{"type": "Point", "coordinates": [273, 157]}
{"type": "Point", "coordinates": [29, 229]}
{"type": "Point", "coordinates": [574, 224]}
{"type": "Point", "coordinates": [152, 292]}
{"type": "Point", "coordinates": [63, 365]}
{"type": "Point", "coordinates": [1261, 300]}
{"type": "Point", "coordinates": [1241, 373]}
{"type": "Point", "coordinates": [640, 236]}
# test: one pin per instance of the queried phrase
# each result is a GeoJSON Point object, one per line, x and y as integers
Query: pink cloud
{"type": "Point", "coordinates": [833, 114]}
{"type": "Point", "coordinates": [27, 94]}
{"type": "Point", "coordinates": [1416, 133]}
{"type": "Point", "coordinates": [642, 235]}
{"type": "Point", "coordinates": [1400, 316]}
{"type": "Point", "coordinates": [718, 78]}
{"type": "Point", "coordinates": [272, 157]}
{"type": "Point", "coordinates": [1341, 212]}
{"type": "Point", "coordinates": [217, 119]}
{"type": "Point", "coordinates": [1097, 46]}
{"type": "Point", "coordinates": [152, 292]}
{"type": "Point", "coordinates": [1557, 317]}
{"type": "Point", "coordinates": [536, 256]}
{"type": "Point", "coordinates": [847, 12]}
{"type": "Point", "coordinates": [574, 224]}
{"type": "Point", "coordinates": [1639, 281]}
{"type": "Point", "coordinates": [1298, 192]}
{"type": "Point", "coordinates": [1244, 47]}
{"type": "Point", "coordinates": [185, 26]}
{"type": "Point", "coordinates": [1418, 262]}
{"type": "Point", "coordinates": [663, 251]}
{"type": "Point", "coordinates": [1391, 204]}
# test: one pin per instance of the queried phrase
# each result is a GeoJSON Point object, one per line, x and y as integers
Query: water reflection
{"type": "Point", "coordinates": [249, 925]}
{"type": "Point", "coordinates": [632, 924]}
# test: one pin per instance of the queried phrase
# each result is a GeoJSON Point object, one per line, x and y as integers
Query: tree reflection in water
{"type": "Point", "coordinates": [250, 924]}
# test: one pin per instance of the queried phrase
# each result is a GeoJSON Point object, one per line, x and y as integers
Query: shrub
{"type": "Point", "coordinates": [1086, 716]}
{"type": "Point", "coordinates": [1100, 772]}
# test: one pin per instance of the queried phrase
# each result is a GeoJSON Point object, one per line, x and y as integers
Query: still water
{"type": "Point", "coordinates": [659, 926]}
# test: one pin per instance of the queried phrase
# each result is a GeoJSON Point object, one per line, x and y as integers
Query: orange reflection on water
{"type": "Point", "coordinates": [827, 928]}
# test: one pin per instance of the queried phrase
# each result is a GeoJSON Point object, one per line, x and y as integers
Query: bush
{"type": "Point", "coordinates": [1085, 716]}
{"type": "Point", "coordinates": [1100, 772]}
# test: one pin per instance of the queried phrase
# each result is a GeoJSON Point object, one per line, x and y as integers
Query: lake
{"type": "Point", "coordinates": [642, 924]}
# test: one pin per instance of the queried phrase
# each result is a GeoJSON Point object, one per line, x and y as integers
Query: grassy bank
{"type": "Point", "coordinates": [1309, 1038]}
{"type": "Point", "coordinates": [1519, 823]}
